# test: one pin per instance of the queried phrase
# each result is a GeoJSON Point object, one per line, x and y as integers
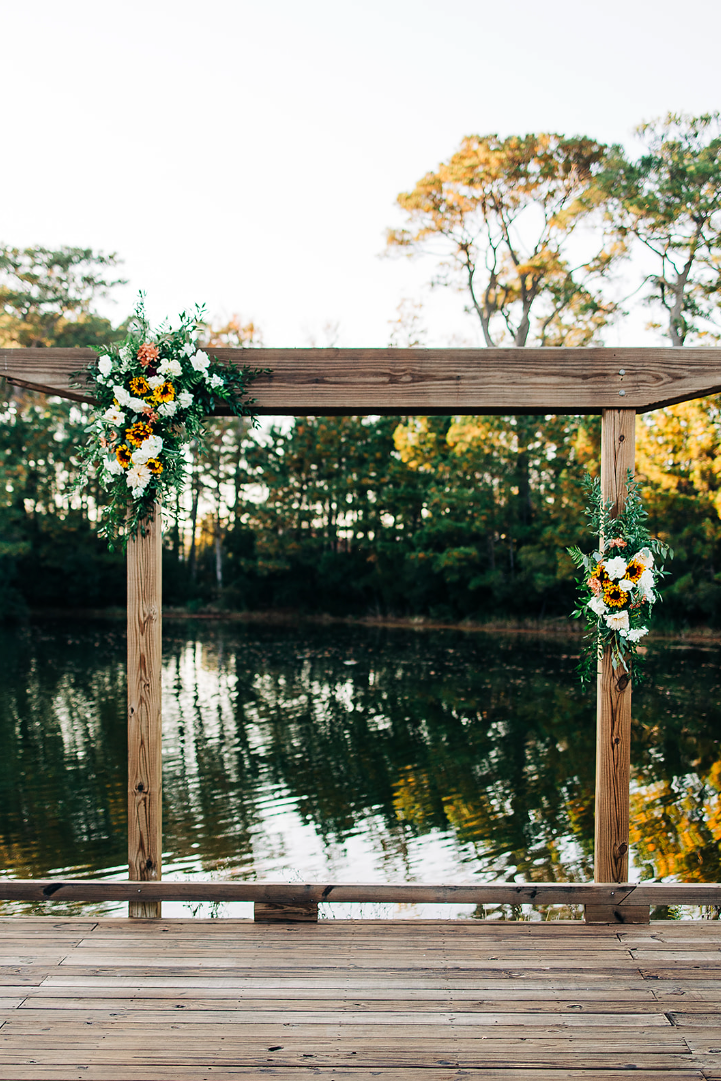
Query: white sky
{"type": "Point", "coordinates": [248, 154]}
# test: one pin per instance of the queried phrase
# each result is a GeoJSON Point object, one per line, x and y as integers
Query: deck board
{"type": "Point", "coordinates": [185, 1000]}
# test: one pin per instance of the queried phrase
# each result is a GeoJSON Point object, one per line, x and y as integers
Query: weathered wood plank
{"type": "Point", "coordinates": [154, 1072]}
{"type": "Point", "coordinates": [515, 1054]}
{"type": "Point", "coordinates": [344, 1002]}
{"type": "Point", "coordinates": [33, 1014]}
{"type": "Point", "coordinates": [362, 381]}
{"type": "Point", "coordinates": [618, 894]}
{"type": "Point", "coordinates": [145, 761]}
{"type": "Point", "coordinates": [613, 698]}
{"type": "Point", "coordinates": [272, 912]}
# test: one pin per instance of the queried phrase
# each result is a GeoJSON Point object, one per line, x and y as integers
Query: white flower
{"type": "Point", "coordinates": [138, 477]}
{"type": "Point", "coordinates": [597, 605]}
{"type": "Point", "coordinates": [185, 399]}
{"type": "Point", "coordinates": [112, 465]}
{"type": "Point", "coordinates": [149, 448]}
{"type": "Point", "coordinates": [170, 367]}
{"type": "Point", "coordinates": [105, 365]}
{"type": "Point", "coordinates": [123, 397]}
{"type": "Point", "coordinates": [617, 621]}
{"type": "Point", "coordinates": [167, 409]}
{"type": "Point", "coordinates": [646, 584]}
{"type": "Point", "coordinates": [155, 381]}
{"type": "Point", "coordinates": [626, 585]}
{"type": "Point", "coordinates": [645, 556]}
{"type": "Point", "coordinates": [200, 361]}
{"type": "Point", "coordinates": [215, 381]}
{"type": "Point", "coordinates": [125, 353]}
{"type": "Point", "coordinates": [189, 349]}
{"type": "Point", "coordinates": [616, 567]}
{"type": "Point", "coordinates": [635, 635]}
{"type": "Point", "coordinates": [136, 404]}
{"type": "Point", "coordinates": [153, 444]}
{"type": "Point", "coordinates": [114, 415]}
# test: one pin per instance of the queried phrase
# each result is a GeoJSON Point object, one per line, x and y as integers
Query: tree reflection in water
{"type": "Point", "coordinates": [351, 753]}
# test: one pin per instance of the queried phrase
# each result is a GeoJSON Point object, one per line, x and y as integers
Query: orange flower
{"type": "Point", "coordinates": [139, 386]}
{"type": "Point", "coordinates": [146, 353]}
{"type": "Point", "coordinates": [617, 543]}
{"type": "Point", "coordinates": [154, 465]}
{"type": "Point", "coordinates": [123, 454]}
{"type": "Point", "coordinates": [138, 433]}
{"type": "Point", "coordinates": [164, 393]}
{"type": "Point", "coordinates": [595, 586]}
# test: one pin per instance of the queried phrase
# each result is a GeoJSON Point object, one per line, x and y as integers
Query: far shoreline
{"type": "Point", "coordinates": [559, 627]}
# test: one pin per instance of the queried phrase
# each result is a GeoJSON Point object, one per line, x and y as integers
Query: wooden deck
{"type": "Point", "coordinates": [185, 1000]}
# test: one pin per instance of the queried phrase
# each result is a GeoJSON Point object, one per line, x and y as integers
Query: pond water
{"type": "Point", "coordinates": [350, 754]}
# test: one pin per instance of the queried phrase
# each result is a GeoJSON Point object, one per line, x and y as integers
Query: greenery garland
{"type": "Point", "coordinates": [616, 594]}
{"type": "Point", "coordinates": [153, 390]}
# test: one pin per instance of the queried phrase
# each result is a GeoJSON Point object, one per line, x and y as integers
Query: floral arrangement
{"type": "Point", "coordinates": [153, 390]}
{"type": "Point", "coordinates": [618, 582]}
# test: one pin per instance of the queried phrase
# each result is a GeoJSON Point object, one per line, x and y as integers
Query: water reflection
{"type": "Point", "coordinates": [350, 753]}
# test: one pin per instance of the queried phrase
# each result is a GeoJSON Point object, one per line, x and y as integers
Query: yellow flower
{"type": "Point", "coordinates": [139, 386]}
{"type": "Point", "coordinates": [164, 393]}
{"type": "Point", "coordinates": [634, 570]}
{"type": "Point", "coordinates": [123, 454]}
{"type": "Point", "coordinates": [138, 433]}
{"type": "Point", "coordinates": [614, 596]}
{"type": "Point", "coordinates": [599, 572]}
{"type": "Point", "coordinates": [154, 465]}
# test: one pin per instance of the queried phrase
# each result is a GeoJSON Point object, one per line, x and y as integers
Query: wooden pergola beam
{"type": "Point", "coordinates": [443, 381]}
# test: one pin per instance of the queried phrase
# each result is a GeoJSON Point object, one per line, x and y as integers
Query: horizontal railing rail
{"type": "Point", "coordinates": [281, 893]}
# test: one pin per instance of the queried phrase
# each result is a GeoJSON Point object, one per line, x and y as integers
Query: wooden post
{"type": "Point", "coordinates": [613, 708]}
{"type": "Point", "coordinates": [145, 764]}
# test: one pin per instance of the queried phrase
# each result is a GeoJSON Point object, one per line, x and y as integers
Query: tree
{"type": "Point", "coordinates": [47, 297]}
{"type": "Point", "coordinates": [232, 335]}
{"type": "Point", "coordinates": [500, 216]}
{"type": "Point", "coordinates": [669, 201]}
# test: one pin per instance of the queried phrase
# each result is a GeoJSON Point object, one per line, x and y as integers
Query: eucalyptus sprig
{"type": "Point", "coordinates": [617, 583]}
{"type": "Point", "coordinates": [153, 391]}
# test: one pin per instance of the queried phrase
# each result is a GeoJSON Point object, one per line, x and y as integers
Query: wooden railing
{"type": "Point", "coordinates": [615, 902]}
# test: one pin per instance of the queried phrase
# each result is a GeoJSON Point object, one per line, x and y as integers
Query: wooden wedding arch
{"type": "Point", "coordinates": [617, 383]}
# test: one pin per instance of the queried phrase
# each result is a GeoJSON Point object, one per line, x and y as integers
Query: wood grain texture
{"type": "Point", "coordinates": [270, 911]}
{"type": "Point", "coordinates": [363, 381]}
{"type": "Point", "coordinates": [613, 692]}
{"type": "Point", "coordinates": [299, 893]}
{"type": "Point", "coordinates": [118, 1021]}
{"type": "Point", "coordinates": [145, 762]}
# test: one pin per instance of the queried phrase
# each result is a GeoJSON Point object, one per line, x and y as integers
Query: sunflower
{"type": "Point", "coordinates": [138, 433]}
{"type": "Point", "coordinates": [164, 393]}
{"type": "Point", "coordinates": [139, 386]}
{"type": "Point", "coordinates": [123, 454]}
{"type": "Point", "coordinates": [599, 571]}
{"type": "Point", "coordinates": [634, 570]}
{"type": "Point", "coordinates": [154, 466]}
{"type": "Point", "coordinates": [614, 596]}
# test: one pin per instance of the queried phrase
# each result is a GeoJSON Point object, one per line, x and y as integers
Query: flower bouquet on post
{"type": "Point", "coordinates": [153, 391]}
{"type": "Point", "coordinates": [617, 584]}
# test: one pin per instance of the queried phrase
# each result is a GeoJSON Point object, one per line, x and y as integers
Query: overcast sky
{"type": "Point", "coordinates": [248, 155]}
